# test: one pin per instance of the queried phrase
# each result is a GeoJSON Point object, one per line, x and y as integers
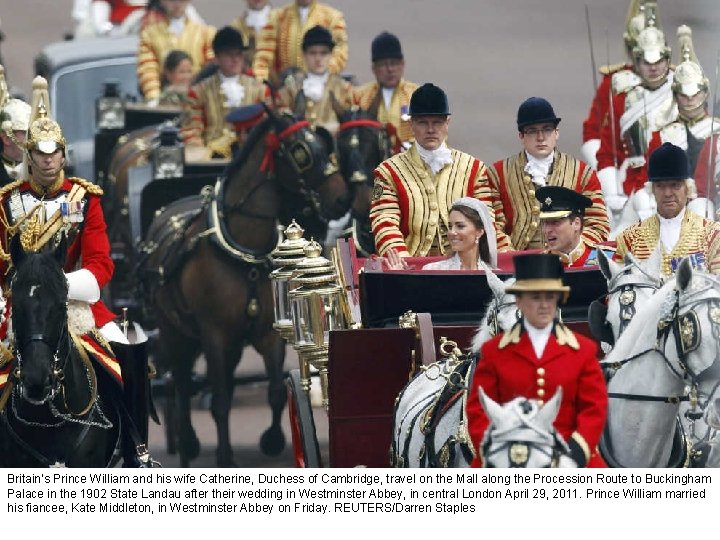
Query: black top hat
{"type": "Point", "coordinates": [386, 45]}
{"type": "Point", "coordinates": [559, 202]}
{"type": "Point", "coordinates": [669, 162]}
{"type": "Point", "coordinates": [429, 100]}
{"type": "Point", "coordinates": [227, 39]}
{"type": "Point", "coordinates": [536, 110]}
{"type": "Point", "coordinates": [538, 272]}
{"type": "Point", "coordinates": [317, 35]}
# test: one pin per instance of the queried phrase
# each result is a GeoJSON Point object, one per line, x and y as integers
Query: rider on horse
{"type": "Point", "coordinates": [46, 208]}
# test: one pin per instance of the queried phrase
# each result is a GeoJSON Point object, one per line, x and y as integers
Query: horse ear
{"type": "Point", "coordinates": [547, 414]}
{"type": "Point", "coordinates": [17, 253]}
{"type": "Point", "coordinates": [375, 105]}
{"type": "Point", "coordinates": [684, 274]}
{"type": "Point", "coordinates": [712, 415]}
{"type": "Point", "coordinates": [608, 267]}
{"type": "Point", "coordinates": [495, 283]}
{"type": "Point", "coordinates": [300, 105]}
{"type": "Point", "coordinates": [494, 411]}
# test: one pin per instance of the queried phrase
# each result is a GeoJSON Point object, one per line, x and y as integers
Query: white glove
{"type": "Point", "coordinates": [615, 199]}
{"type": "Point", "coordinates": [82, 285]}
{"type": "Point", "coordinates": [589, 152]}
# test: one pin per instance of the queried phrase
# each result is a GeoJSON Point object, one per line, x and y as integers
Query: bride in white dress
{"type": "Point", "coordinates": [471, 233]}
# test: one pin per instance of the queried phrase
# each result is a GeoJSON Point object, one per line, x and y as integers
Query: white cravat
{"type": "Point", "coordinates": [387, 97]}
{"type": "Point", "coordinates": [232, 89]}
{"type": "Point", "coordinates": [538, 337]}
{"type": "Point", "coordinates": [435, 159]}
{"type": "Point", "coordinates": [670, 230]}
{"type": "Point", "coordinates": [538, 168]}
{"type": "Point", "coordinates": [314, 86]}
{"type": "Point", "coordinates": [304, 12]}
{"type": "Point", "coordinates": [177, 25]}
{"type": "Point", "coordinates": [258, 18]}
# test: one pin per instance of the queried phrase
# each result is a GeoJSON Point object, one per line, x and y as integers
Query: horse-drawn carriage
{"type": "Point", "coordinates": [383, 352]}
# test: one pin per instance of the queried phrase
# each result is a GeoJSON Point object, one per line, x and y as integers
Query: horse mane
{"type": "Point", "coordinates": [483, 332]}
{"type": "Point", "coordinates": [254, 137]}
{"type": "Point", "coordinates": [641, 334]}
{"type": "Point", "coordinates": [41, 269]}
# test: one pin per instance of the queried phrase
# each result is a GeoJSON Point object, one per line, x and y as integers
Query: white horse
{"type": "Point", "coordinates": [629, 287]}
{"type": "Point", "coordinates": [660, 362]}
{"type": "Point", "coordinates": [521, 434]}
{"type": "Point", "coordinates": [430, 425]}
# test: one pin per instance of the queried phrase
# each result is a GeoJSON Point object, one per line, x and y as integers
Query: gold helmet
{"type": "Point", "coordinates": [651, 46]}
{"type": "Point", "coordinates": [15, 116]}
{"type": "Point", "coordinates": [4, 92]}
{"type": "Point", "coordinates": [44, 133]}
{"type": "Point", "coordinates": [689, 77]}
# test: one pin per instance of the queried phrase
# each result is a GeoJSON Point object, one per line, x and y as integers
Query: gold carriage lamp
{"type": "Point", "coordinates": [316, 311]}
{"type": "Point", "coordinates": [285, 258]}
{"type": "Point", "coordinates": [168, 154]}
{"type": "Point", "coordinates": [110, 107]}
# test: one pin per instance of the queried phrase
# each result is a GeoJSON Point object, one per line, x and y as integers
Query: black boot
{"type": "Point", "coordinates": [136, 403]}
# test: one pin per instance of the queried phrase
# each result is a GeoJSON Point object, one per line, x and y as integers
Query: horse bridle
{"type": "Point", "coordinates": [351, 127]}
{"type": "Point", "coordinates": [627, 293]}
{"type": "Point", "coordinates": [57, 369]}
{"type": "Point", "coordinates": [494, 314]}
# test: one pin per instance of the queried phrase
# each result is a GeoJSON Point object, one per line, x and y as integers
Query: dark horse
{"type": "Point", "coordinates": [362, 144]}
{"type": "Point", "coordinates": [207, 270]}
{"type": "Point", "coordinates": [54, 413]}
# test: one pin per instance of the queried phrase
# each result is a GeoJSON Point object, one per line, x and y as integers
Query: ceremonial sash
{"type": "Point", "coordinates": [647, 105]}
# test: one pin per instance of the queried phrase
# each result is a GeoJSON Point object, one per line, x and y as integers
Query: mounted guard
{"type": "Point", "coordinates": [49, 211]}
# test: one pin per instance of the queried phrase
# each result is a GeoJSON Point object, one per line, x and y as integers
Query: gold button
{"type": "Point", "coordinates": [541, 392]}
{"type": "Point", "coordinates": [536, 208]}
{"type": "Point", "coordinates": [533, 225]}
{"type": "Point", "coordinates": [433, 206]}
{"type": "Point", "coordinates": [541, 382]}
{"type": "Point", "coordinates": [428, 237]}
{"type": "Point", "coordinates": [541, 371]}
{"type": "Point", "coordinates": [431, 190]}
{"type": "Point", "coordinates": [433, 222]}
{"type": "Point", "coordinates": [423, 174]}
{"type": "Point", "coordinates": [531, 192]}
{"type": "Point", "coordinates": [540, 402]}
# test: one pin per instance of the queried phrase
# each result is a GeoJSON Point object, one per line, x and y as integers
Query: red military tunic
{"type": "Point", "coordinates": [90, 247]}
{"type": "Point", "coordinates": [508, 368]}
{"type": "Point", "coordinates": [599, 114]}
{"type": "Point", "coordinates": [120, 9]}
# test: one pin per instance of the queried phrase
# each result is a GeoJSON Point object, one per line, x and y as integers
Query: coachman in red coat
{"type": "Point", "coordinates": [535, 357]}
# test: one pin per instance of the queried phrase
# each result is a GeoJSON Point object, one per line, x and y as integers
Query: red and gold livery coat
{"type": "Point", "coordinates": [157, 40]}
{"type": "Point", "coordinates": [699, 237]}
{"type": "Point", "coordinates": [517, 211]}
{"type": "Point", "coordinates": [508, 367]}
{"type": "Point", "coordinates": [279, 45]}
{"type": "Point", "coordinates": [249, 36]}
{"type": "Point", "coordinates": [396, 115]}
{"type": "Point", "coordinates": [208, 109]}
{"type": "Point", "coordinates": [410, 206]}
{"type": "Point", "coordinates": [89, 247]}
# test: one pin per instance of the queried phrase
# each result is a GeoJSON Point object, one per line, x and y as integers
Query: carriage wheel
{"type": "Point", "coordinates": [306, 451]}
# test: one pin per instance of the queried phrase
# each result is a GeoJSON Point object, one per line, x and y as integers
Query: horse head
{"type": "Point", "coordinates": [39, 320]}
{"type": "Point", "coordinates": [521, 434]}
{"type": "Point", "coordinates": [306, 165]}
{"type": "Point", "coordinates": [501, 313]}
{"type": "Point", "coordinates": [629, 287]}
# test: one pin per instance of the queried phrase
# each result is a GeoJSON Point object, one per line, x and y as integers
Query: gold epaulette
{"type": "Point", "coordinates": [9, 187]}
{"type": "Point", "coordinates": [611, 68]}
{"type": "Point", "coordinates": [92, 189]}
{"type": "Point", "coordinates": [512, 336]}
{"type": "Point", "coordinates": [565, 336]}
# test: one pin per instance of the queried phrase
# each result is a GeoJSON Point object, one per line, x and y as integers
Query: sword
{"type": "Point", "coordinates": [712, 181]}
{"type": "Point", "coordinates": [612, 105]}
{"type": "Point", "coordinates": [592, 52]}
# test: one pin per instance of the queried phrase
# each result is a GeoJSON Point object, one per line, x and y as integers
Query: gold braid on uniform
{"type": "Point", "coordinates": [92, 189]}
{"type": "Point", "coordinates": [9, 228]}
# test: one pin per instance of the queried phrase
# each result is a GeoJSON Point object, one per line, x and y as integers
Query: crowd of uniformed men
{"type": "Point", "coordinates": [648, 177]}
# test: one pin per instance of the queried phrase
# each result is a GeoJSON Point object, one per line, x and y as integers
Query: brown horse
{"type": "Point", "coordinates": [207, 270]}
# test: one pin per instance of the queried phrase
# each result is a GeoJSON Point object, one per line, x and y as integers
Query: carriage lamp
{"type": "Point", "coordinates": [316, 305]}
{"type": "Point", "coordinates": [168, 155]}
{"type": "Point", "coordinates": [110, 107]}
{"type": "Point", "coordinates": [285, 258]}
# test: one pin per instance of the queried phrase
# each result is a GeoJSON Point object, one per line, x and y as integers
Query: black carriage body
{"type": "Point", "coordinates": [76, 72]}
